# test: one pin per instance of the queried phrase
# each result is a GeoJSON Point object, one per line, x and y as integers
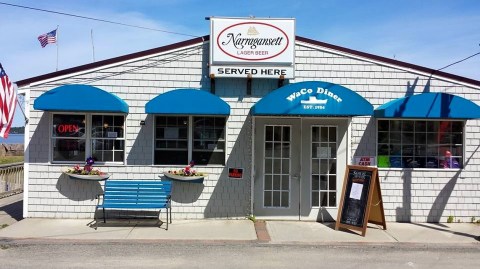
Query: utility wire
{"type": "Point", "coordinates": [459, 61]}
{"type": "Point", "coordinates": [95, 19]}
{"type": "Point", "coordinates": [157, 30]}
{"type": "Point", "coordinates": [155, 63]}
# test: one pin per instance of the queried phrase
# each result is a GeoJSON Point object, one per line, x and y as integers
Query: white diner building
{"type": "Point", "coordinates": [272, 118]}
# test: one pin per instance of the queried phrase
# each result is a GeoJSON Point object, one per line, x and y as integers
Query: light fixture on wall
{"type": "Point", "coordinates": [212, 83]}
{"type": "Point", "coordinates": [281, 80]}
{"type": "Point", "coordinates": [249, 85]}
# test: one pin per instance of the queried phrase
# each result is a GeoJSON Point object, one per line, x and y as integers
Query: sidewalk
{"type": "Point", "coordinates": [11, 209]}
{"type": "Point", "coordinates": [215, 230]}
{"type": "Point", "coordinates": [423, 233]}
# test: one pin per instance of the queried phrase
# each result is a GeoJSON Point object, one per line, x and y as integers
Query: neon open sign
{"type": "Point", "coordinates": [67, 128]}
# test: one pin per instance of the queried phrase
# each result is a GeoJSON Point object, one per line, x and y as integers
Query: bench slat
{"type": "Point", "coordinates": [120, 201]}
{"type": "Point", "coordinates": [143, 182]}
{"type": "Point", "coordinates": [140, 199]}
{"type": "Point", "coordinates": [139, 190]}
{"type": "Point", "coordinates": [137, 193]}
{"type": "Point", "coordinates": [135, 196]}
{"type": "Point", "coordinates": [133, 206]}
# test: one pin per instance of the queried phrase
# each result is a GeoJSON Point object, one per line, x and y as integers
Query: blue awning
{"type": "Point", "coordinates": [80, 98]}
{"type": "Point", "coordinates": [429, 106]}
{"type": "Point", "coordinates": [313, 98]}
{"type": "Point", "coordinates": [187, 102]}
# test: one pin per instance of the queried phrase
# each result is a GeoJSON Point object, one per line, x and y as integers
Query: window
{"type": "Point", "coordinates": [208, 140]}
{"type": "Point", "coordinates": [420, 144]}
{"type": "Point", "coordinates": [74, 139]}
{"type": "Point", "coordinates": [179, 139]}
{"type": "Point", "coordinates": [324, 166]}
{"type": "Point", "coordinates": [278, 141]}
{"type": "Point", "coordinates": [171, 140]}
{"type": "Point", "coordinates": [68, 138]}
{"type": "Point", "coordinates": [108, 138]}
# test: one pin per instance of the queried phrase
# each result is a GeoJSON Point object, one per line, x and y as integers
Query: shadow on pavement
{"type": "Point", "coordinates": [14, 210]}
{"type": "Point", "coordinates": [448, 231]}
{"type": "Point", "coordinates": [128, 222]}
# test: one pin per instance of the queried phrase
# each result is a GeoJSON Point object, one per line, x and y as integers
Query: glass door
{"type": "Point", "coordinates": [277, 168]}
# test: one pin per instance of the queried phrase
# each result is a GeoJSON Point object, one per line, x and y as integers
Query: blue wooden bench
{"type": "Point", "coordinates": [135, 195]}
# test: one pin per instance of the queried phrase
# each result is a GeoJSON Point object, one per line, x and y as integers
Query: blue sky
{"type": "Point", "coordinates": [427, 33]}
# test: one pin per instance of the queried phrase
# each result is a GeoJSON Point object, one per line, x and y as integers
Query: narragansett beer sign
{"type": "Point", "coordinates": [260, 48]}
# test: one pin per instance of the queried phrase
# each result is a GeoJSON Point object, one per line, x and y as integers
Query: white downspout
{"type": "Point", "coordinates": [26, 154]}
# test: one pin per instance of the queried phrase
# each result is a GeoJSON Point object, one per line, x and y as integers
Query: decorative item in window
{"type": "Point", "coordinates": [186, 174]}
{"type": "Point", "coordinates": [449, 161]}
{"type": "Point", "coordinates": [431, 144]}
{"type": "Point", "coordinates": [87, 172]}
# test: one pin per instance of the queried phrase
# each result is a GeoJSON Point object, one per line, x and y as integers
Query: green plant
{"type": "Point", "coordinates": [3, 226]}
{"type": "Point", "coordinates": [251, 217]}
{"type": "Point", "coordinates": [11, 159]}
{"type": "Point", "coordinates": [450, 219]}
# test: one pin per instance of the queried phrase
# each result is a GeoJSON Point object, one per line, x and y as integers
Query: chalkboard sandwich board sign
{"type": "Point", "coordinates": [361, 200]}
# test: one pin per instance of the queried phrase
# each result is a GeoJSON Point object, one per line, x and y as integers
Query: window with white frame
{"type": "Point", "coordinates": [180, 139]}
{"type": "Point", "coordinates": [68, 138]}
{"type": "Point", "coordinates": [78, 136]}
{"type": "Point", "coordinates": [420, 144]}
{"type": "Point", "coordinates": [108, 138]}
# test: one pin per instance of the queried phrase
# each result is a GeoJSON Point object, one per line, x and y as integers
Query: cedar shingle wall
{"type": "Point", "coordinates": [408, 195]}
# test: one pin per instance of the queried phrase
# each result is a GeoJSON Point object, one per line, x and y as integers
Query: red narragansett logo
{"type": "Point", "coordinates": [252, 41]}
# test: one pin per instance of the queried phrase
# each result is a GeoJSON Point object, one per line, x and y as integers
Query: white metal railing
{"type": "Point", "coordinates": [11, 178]}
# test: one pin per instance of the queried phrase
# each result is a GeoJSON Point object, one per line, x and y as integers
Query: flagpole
{"type": "Point", "coordinates": [18, 102]}
{"type": "Point", "coordinates": [93, 47]}
{"type": "Point", "coordinates": [21, 109]}
{"type": "Point", "coordinates": [57, 46]}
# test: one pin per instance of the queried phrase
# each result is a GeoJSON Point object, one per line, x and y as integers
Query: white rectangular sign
{"type": "Point", "coordinates": [356, 191]}
{"type": "Point", "coordinates": [256, 47]}
{"type": "Point", "coordinates": [253, 71]}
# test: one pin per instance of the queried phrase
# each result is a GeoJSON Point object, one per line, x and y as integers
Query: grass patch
{"type": "Point", "coordinates": [11, 159]}
{"type": "Point", "coordinates": [3, 226]}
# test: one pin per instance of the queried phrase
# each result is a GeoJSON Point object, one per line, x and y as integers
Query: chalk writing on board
{"type": "Point", "coordinates": [361, 185]}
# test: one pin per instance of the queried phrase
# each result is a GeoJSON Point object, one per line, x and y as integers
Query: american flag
{"type": "Point", "coordinates": [50, 37]}
{"type": "Point", "coordinates": [8, 102]}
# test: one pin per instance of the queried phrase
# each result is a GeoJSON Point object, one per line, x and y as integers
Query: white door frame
{"type": "Point", "coordinates": [343, 147]}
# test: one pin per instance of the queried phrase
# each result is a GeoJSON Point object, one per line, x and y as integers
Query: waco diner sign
{"type": "Point", "coordinates": [257, 48]}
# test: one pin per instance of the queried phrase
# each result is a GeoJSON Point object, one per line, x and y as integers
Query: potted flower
{"type": "Point", "coordinates": [86, 172]}
{"type": "Point", "coordinates": [187, 174]}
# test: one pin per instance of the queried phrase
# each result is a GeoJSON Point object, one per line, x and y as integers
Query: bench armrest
{"type": "Point", "coordinates": [99, 197]}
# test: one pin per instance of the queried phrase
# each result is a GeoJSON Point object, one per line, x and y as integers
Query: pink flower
{"type": "Point", "coordinates": [187, 171]}
{"type": "Point", "coordinates": [85, 170]}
